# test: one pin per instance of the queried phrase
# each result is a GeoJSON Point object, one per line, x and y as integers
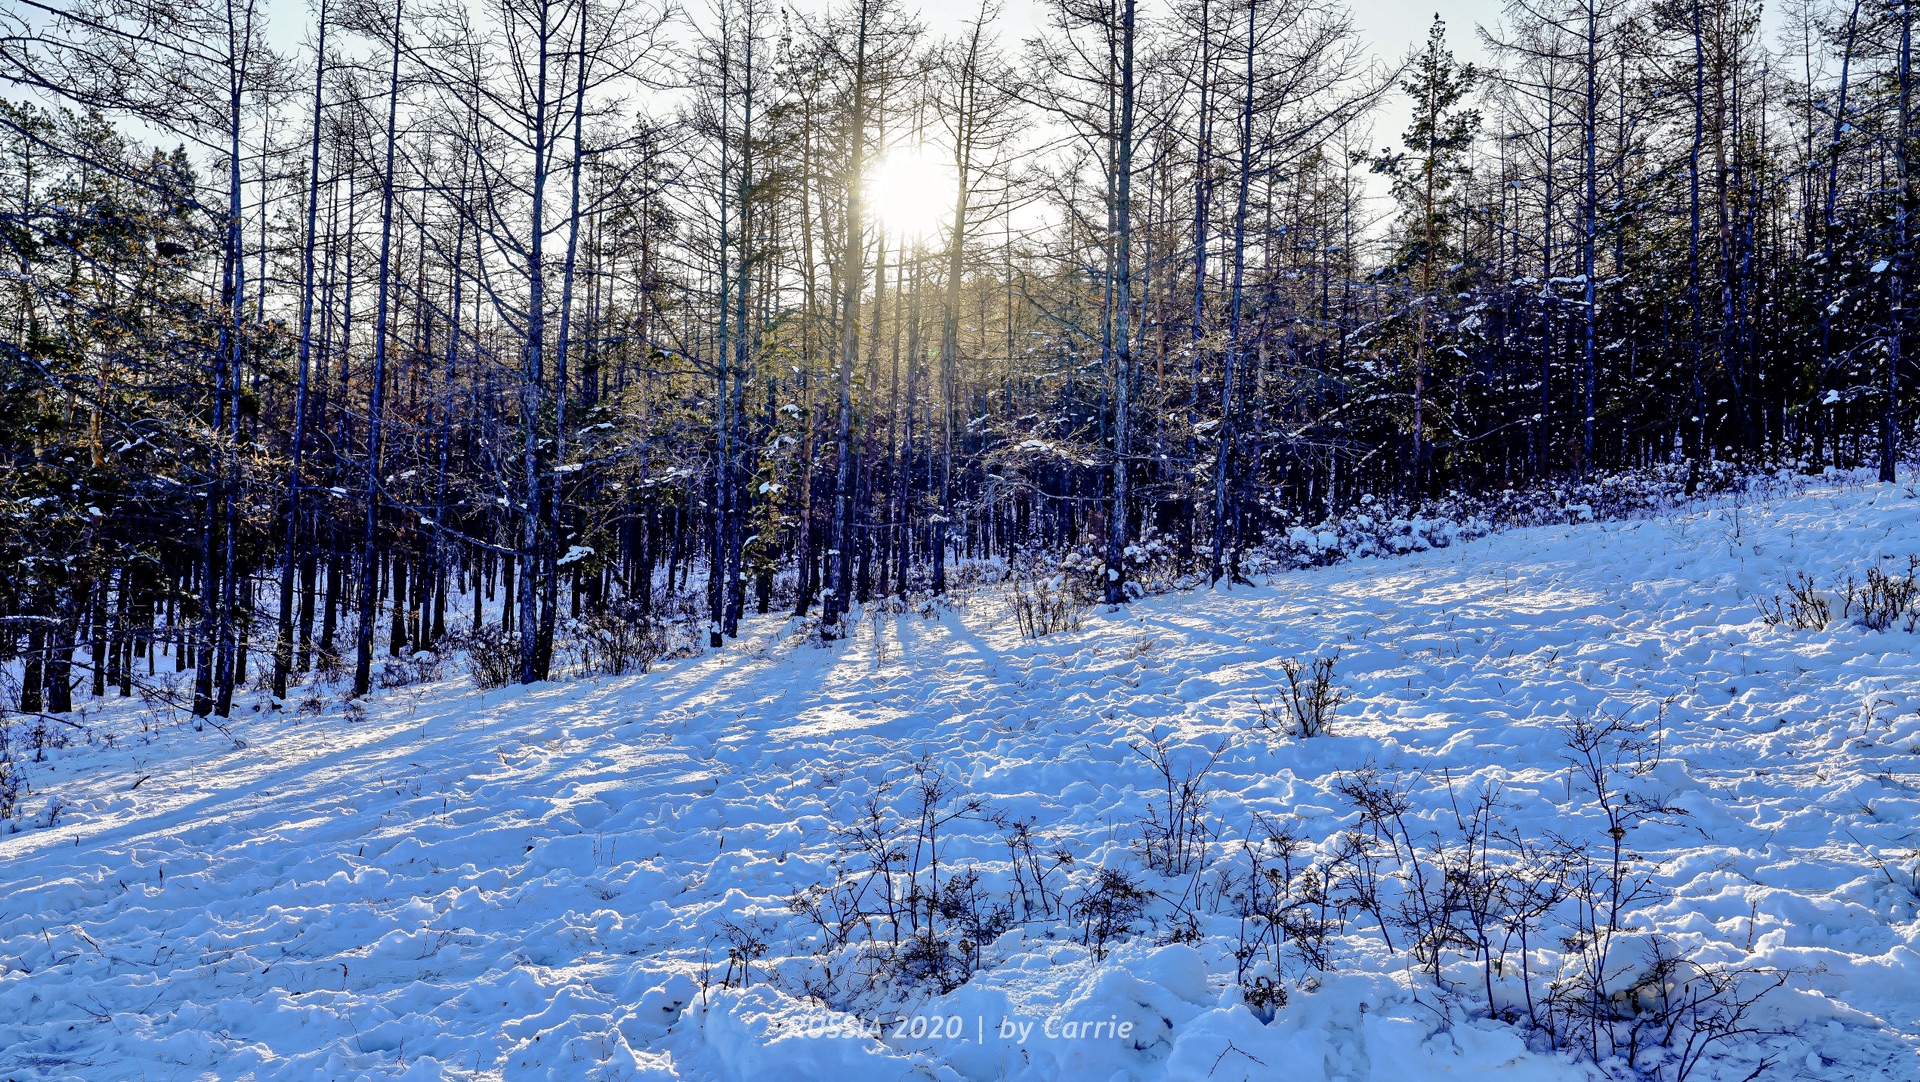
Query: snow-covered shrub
{"type": "Point", "coordinates": [1550, 929]}
{"type": "Point", "coordinates": [1405, 877]}
{"type": "Point", "coordinates": [44, 737]}
{"type": "Point", "coordinates": [1885, 600]}
{"type": "Point", "coordinates": [1153, 566]}
{"type": "Point", "coordinates": [893, 916]}
{"type": "Point", "coordinates": [1283, 908]}
{"type": "Point", "coordinates": [1063, 586]}
{"type": "Point", "coordinates": [902, 918]}
{"type": "Point", "coordinates": [965, 574]}
{"type": "Point", "coordinates": [1665, 1017]}
{"type": "Point", "coordinates": [615, 643]}
{"type": "Point", "coordinates": [1176, 837]}
{"type": "Point", "coordinates": [13, 780]}
{"type": "Point", "coordinates": [13, 792]}
{"type": "Point", "coordinates": [1035, 863]}
{"type": "Point", "coordinates": [1043, 605]}
{"type": "Point", "coordinates": [314, 702]}
{"type": "Point", "coordinates": [746, 944]}
{"type": "Point", "coordinates": [493, 656]}
{"type": "Point", "coordinates": [1107, 910]}
{"type": "Point", "coordinates": [1391, 525]}
{"type": "Point", "coordinates": [1623, 989]}
{"type": "Point", "coordinates": [1307, 705]}
{"type": "Point", "coordinates": [1046, 594]}
{"type": "Point", "coordinates": [49, 816]}
{"type": "Point", "coordinates": [327, 664]}
{"type": "Point", "coordinates": [1606, 882]}
{"type": "Point", "coordinates": [1554, 925]}
{"type": "Point", "coordinates": [972, 917]}
{"type": "Point", "coordinates": [419, 667]}
{"type": "Point", "coordinates": [1804, 608]}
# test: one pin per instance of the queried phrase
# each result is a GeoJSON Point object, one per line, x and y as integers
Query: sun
{"type": "Point", "coordinates": [911, 191]}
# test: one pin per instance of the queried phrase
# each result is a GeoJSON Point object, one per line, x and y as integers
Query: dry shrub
{"type": "Point", "coordinates": [1885, 600]}
{"type": "Point", "coordinates": [1803, 609]}
{"type": "Point", "coordinates": [1307, 705]}
{"type": "Point", "coordinates": [493, 656]}
{"type": "Point", "coordinates": [616, 643]}
{"type": "Point", "coordinates": [1043, 605]}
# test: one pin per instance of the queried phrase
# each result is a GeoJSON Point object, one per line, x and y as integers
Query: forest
{"type": "Point", "coordinates": [556, 330]}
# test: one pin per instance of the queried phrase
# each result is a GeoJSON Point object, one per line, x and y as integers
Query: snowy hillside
{"type": "Point", "coordinates": [642, 878]}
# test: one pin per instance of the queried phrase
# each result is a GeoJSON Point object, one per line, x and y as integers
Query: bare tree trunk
{"type": "Point", "coordinates": [561, 350]}
{"type": "Point", "coordinates": [1897, 312]}
{"type": "Point", "coordinates": [1828, 226]}
{"type": "Point", "coordinates": [283, 643]}
{"type": "Point", "coordinates": [1122, 275]}
{"type": "Point", "coordinates": [742, 341]}
{"type": "Point", "coordinates": [1223, 461]}
{"type": "Point", "coordinates": [532, 377]}
{"type": "Point", "coordinates": [233, 288]}
{"type": "Point", "coordinates": [1202, 214]}
{"type": "Point", "coordinates": [839, 564]}
{"type": "Point", "coordinates": [966, 113]}
{"type": "Point", "coordinates": [376, 393]}
{"type": "Point", "coordinates": [1589, 211]}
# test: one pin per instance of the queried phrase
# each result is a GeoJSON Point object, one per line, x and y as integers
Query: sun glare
{"type": "Point", "coordinates": [912, 192]}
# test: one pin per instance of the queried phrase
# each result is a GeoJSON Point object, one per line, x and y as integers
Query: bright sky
{"type": "Point", "coordinates": [1391, 28]}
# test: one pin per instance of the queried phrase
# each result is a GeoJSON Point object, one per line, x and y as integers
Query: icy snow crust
{"type": "Point", "coordinates": [526, 884]}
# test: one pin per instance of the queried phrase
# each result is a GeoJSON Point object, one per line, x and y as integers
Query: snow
{"type": "Point", "coordinates": [531, 883]}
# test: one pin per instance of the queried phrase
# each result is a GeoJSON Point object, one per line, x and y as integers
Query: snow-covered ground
{"type": "Point", "coordinates": [541, 882]}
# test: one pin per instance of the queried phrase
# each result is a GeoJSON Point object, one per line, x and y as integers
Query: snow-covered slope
{"type": "Point", "coordinates": [535, 883]}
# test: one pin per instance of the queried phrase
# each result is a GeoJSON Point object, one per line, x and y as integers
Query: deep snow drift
{"type": "Point", "coordinates": [536, 883]}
